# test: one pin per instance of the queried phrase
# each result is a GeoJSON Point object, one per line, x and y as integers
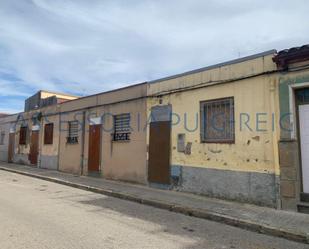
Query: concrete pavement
{"type": "Point", "coordinates": [290, 225]}
{"type": "Point", "coordinates": [38, 214]}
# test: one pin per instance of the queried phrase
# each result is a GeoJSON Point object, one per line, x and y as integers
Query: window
{"type": "Point", "coordinates": [48, 133]}
{"type": "Point", "coordinates": [2, 136]}
{"type": "Point", "coordinates": [72, 132]}
{"type": "Point", "coordinates": [217, 121]}
{"type": "Point", "coordinates": [23, 135]}
{"type": "Point", "coordinates": [122, 127]}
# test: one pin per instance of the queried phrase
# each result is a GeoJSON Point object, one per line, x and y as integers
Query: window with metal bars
{"type": "Point", "coordinates": [217, 121]}
{"type": "Point", "coordinates": [48, 133]}
{"type": "Point", "coordinates": [72, 137]}
{"type": "Point", "coordinates": [122, 129]}
{"type": "Point", "coordinates": [2, 136]}
{"type": "Point", "coordinates": [23, 135]}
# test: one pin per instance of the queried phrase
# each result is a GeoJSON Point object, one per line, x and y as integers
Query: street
{"type": "Point", "coordinates": [41, 214]}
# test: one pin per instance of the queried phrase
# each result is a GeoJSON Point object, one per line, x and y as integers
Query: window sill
{"type": "Point", "coordinates": [121, 141]}
{"type": "Point", "coordinates": [218, 142]}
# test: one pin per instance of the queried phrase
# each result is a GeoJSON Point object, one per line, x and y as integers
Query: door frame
{"type": "Point", "coordinates": [303, 195]}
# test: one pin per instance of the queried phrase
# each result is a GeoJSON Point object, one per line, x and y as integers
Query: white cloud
{"type": "Point", "coordinates": [90, 46]}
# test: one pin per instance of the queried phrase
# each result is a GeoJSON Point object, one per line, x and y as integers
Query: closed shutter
{"type": "Point", "coordinates": [23, 135]}
{"type": "Point", "coordinates": [49, 133]}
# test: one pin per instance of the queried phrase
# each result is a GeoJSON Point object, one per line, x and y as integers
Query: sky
{"type": "Point", "coordinates": [88, 46]}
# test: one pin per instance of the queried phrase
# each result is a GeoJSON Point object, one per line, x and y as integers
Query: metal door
{"type": "Point", "coordinates": [159, 152]}
{"type": "Point", "coordinates": [94, 148]}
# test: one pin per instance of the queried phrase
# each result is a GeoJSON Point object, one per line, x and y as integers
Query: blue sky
{"type": "Point", "coordinates": [84, 47]}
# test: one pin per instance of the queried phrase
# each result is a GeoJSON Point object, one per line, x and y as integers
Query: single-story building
{"type": "Point", "coordinates": [235, 130]}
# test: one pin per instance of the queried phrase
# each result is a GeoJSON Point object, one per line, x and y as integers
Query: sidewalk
{"type": "Point", "coordinates": [290, 225]}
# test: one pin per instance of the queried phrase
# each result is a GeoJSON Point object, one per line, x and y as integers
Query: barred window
{"type": "Point", "coordinates": [72, 132]}
{"type": "Point", "coordinates": [23, 135]}
{"type": "Point", "coordinates": [48, 133]}
{"type": "Point", "coordinates": [2, 136]}
{"type": "Point", "coordinates": [217, 121]}
{"type": "Point", "coordinates": [122, 127]}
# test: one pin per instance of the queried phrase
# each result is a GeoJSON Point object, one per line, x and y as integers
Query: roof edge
{"type": "Point", "coordinates": [108, 91]}
{"type": "Point", "coordinates": [235, 61]}
{"type": "Point", "coordinates": [59, 93]}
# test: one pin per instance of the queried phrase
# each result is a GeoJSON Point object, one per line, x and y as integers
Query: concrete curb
{"type": "Point", "coordinates": [198, 213]}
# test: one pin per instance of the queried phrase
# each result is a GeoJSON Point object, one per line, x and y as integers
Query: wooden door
{"type": "Point", "coordinates": [94, 148]}
{"type": "Point", "coordinates": [304, 144]}
{"type": "Point", "coordinates": [34, 148]}
{"type": "Point", "coordinates": [159, 152]}
{"type": "Point", "coordinates": [11, 147]}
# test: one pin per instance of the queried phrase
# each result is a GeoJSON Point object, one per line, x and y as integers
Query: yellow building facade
{"type": "Point", "coordinates": [245, 169]}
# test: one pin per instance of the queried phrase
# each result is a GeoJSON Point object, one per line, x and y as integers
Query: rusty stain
{"type": "Point", "coordinates": [256, 138]}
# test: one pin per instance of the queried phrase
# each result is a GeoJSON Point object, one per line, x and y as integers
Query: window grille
{"type": "Point", "coordinates": [2, 136]}
{"type": "Point", "coordinates": [23, 135]}
{"type": "Point", "coordinates": [122, 127]}
{"type": "Point", "coordinates": [217, 121]}
{"type": "Point", "coordinates": [72, 132]}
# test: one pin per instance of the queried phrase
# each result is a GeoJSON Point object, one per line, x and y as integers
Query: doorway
{"type": "Point", "coordinates": [302, 103]}
{"type": "Point", "coordinates": [34, 147]}
{"type": "Point", "coordinates": [159, 145]}
{"type": "Point", "coordinates": [11, 147]}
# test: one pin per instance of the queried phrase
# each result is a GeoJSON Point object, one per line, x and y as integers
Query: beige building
{"type": "Point", "coordinates": [60, 135]}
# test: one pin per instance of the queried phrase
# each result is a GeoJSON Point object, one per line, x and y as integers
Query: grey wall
{"type": "Point", "coordinates": [251, 187]}
{"type": "Point", "coordinates": [3, 156]}
{"type": "Point", "coordinates": [21, 159]}
{"type": "Point", "coordinates": [49, 162]}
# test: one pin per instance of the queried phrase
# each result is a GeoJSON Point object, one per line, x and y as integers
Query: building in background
{"type": "Point", "coordinates": [61, 135]}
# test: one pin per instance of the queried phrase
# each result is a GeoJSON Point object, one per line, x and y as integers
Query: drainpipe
{"type": "Point", "coordinates": [83, 144]}
{"type": "Point", "coordinates": [59, 141]}
{"type": "Point", "coordinates": [276, 136]}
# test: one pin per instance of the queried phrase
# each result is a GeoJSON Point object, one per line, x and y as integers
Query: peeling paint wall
{"type": "Point", "coordinates": [256, 116]}
{"type": "Point", "coordinates": [5, 125]}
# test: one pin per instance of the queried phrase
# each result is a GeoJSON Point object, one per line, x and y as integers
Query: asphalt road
{"type": "Point", "coordinates": [40, 214]}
